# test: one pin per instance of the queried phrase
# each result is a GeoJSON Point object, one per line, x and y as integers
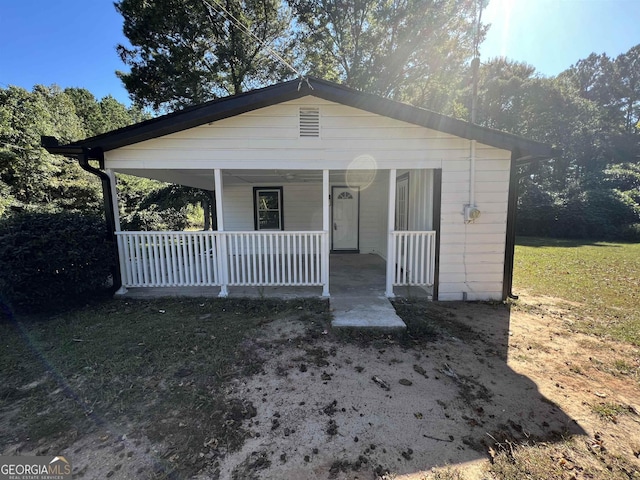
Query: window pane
{"type": "Point", "coordinates": [269, 220]}
{"type": "Point", "coordinates": [268, 201]}
{"type": "Point", "coordinates": [268, 208]}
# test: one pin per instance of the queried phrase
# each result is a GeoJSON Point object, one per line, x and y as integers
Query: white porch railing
{"type": "Point", "coordinates": [168, 259]}
{"type": "Point", "coordinates": [182, 259]}
{"type": "Point", "coordinates": [275, 258]}
{"type": "Point", "coordinates": [414, 258]}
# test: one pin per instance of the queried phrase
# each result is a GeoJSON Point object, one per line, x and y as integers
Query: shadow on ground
{"type": "Point", "coordinates": [562, 242]}
{"type": "Point", "coordinates": [353, 405]}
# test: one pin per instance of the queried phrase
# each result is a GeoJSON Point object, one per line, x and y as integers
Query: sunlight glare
{"type": "Point", "coordinates": [498, 14]}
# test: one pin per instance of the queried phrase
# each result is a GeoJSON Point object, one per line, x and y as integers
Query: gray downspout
{"type": "Point", "coordinates": [83, 160]}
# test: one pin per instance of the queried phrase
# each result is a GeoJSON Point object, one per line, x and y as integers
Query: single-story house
{"type": "Point", "coordinates": [304, 169]}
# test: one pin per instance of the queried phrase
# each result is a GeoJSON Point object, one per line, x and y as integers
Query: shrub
{"type": "Point", "coordinates": [594, 214]}
{"type": "Point", "coordinates": [48, 260]}
{"type": "Point", "coordinates": [153, 219]}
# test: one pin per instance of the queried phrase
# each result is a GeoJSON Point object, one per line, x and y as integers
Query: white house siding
{"type": "Point", "coordinates": [373, 217]}
{"type": "Point", "coordinates": [268, 138]}
{"type": "Point", "coordinates": [302, 206]}
{"type": "Point", "coordinates": [471, 256]}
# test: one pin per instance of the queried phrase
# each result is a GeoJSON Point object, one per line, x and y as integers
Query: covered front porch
{"type": "Point", "coordinates": [287, 263]}
{"type": "Point", "coordinates": [361, 275]}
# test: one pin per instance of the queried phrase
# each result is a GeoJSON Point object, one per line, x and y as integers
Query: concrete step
{"type": "Point", "coordinates": [366, 312]}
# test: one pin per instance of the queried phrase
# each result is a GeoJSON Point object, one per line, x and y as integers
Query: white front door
{"type": "Point", "coordinates": [345, 203]}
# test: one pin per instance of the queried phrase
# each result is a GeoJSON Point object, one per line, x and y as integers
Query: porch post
{"type": "Point", "coordinates": [391, 227]}
{"type": "Point", "coordinates": [116, 221]}
{"type": "Point", "coordinates": [114, 198]}
{"type": "Point", "coordinates": [325, 235]}
{"type": "Point", "coordinates": [221, 239]}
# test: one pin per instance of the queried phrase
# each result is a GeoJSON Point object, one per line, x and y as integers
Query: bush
{"type": "Point", "coordinates": [593, 214]}
{"type": "Point", "coordinates": [153, 219]}
{"type": "Point", "coordinates": [49, 260]}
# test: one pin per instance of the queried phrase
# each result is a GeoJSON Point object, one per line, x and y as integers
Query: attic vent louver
{"type": "Point", "coordinates": [309, 122]}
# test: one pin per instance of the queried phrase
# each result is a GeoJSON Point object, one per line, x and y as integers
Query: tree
{"type": "Point", "coordinates": [628, 76]}
{"type": "Point", "coordinates": [28, 170]}
{"type": "Point", "coordinates": [87, 109]}
{"type": "Point", "coordinates": [614, 86]}
{"type": "Point", "coordinates": [165, 206]}
{"type": "Point", "coordinates": [30, 177]}
{"type": "Point", "coordinates": [185, 52]}
{"type": "Point", "coordinates": [188, 51]}
{"type": "Point", "coordinates": [501, 102]}
{"type": "Point", "coordinates": [514, 98]}
{"type": "Point", "coordinates": [400, 49]}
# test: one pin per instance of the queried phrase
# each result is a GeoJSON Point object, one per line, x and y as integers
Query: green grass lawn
{"type": "Point", "coordinates": [603, 279]}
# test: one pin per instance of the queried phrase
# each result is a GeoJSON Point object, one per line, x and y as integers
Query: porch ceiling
{"type": "Point", "coordinates": [204, 178]}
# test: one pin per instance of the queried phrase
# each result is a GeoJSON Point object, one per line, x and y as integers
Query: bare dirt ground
{"type": "Point", "coordinates": [325, 404]}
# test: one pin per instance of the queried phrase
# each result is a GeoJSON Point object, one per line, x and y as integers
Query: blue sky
{"type": "Point", "coordinates": [552, 35]}
{"type": "Point", "coordinates": [72, 42]}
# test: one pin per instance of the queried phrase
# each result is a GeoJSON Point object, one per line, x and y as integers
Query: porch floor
{"type": "Point", "coordinates": [356, 286]}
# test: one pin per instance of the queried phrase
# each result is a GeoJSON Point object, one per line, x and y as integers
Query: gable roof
{"type": "Point", "coordinates": [245, 102]}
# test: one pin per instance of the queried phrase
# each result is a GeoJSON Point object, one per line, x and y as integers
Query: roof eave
{"type": "Point", "coordinates": [195, 116]}
{"type": "Point", "coordinates": [238, 104]}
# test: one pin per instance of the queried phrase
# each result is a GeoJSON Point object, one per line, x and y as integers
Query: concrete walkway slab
{"type": "Point", "coordinates": [368, 312]}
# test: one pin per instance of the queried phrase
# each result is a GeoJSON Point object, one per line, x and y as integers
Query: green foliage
{"type": "Point", "coordinates": [596, 214]}
{"type": "Point", "coordinates": [6, 199]}
{"type": "Point", "coordinates": [154, 219]}
{"type": "Point", "coordinates": [133, 190]}
{"type": "Point", "coordinates": [185, 52]}
{"type": "Point", "coordinates": [152, 205]}
{"type": "Point", "coordinates": [625, 177]}
{"type": "Point", "coordinates": [51, 259]}
{"type": "Point", "coordinates": [102, 116]}
{"type": "Point", "coordinates": [388, 48]}
{"type": "Point", "coordinates": [593, 189]}
{"type": "Point", "coordinates": [31, 178]}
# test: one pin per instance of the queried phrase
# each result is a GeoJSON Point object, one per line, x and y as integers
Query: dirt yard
{"type": "Point", "coordinates": [471, 384]}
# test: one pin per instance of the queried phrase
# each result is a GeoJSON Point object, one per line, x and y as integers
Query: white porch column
{"type": "Point", "coordinates": [116, 219]}
{"type": "Point", "coordinates": [221, 243]}
{"type": "Point", "coordinates": [325, 235]}
{"type": "Point", "coordinates": [391, 227]}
